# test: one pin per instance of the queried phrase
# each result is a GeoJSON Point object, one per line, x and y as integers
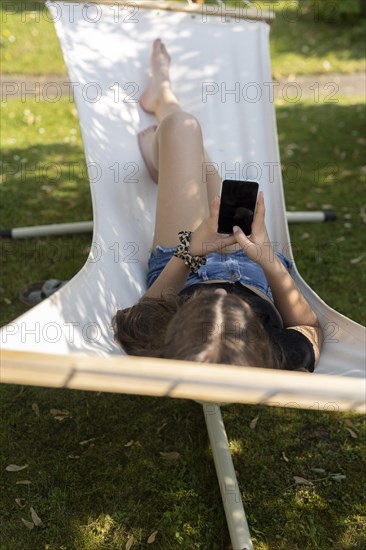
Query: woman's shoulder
{"type": "Point", "coordinates": [297, 347]}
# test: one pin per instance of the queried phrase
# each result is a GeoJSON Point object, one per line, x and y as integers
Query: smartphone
{"type": "Point", "coordinates": [237, 206]}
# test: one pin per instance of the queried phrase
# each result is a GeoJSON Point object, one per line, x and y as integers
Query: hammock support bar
{"type": "Point", "coordinates": [251, 13]}
{"type": "Point", "coordinates": [87, 227]}
{"type": "Point", "coordinates": [183, 379]}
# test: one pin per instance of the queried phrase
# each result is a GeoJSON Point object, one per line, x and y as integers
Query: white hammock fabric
{"type": "Point", "coordinates": [221, 74]}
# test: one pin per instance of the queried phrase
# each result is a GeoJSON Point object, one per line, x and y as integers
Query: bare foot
{"type": "Point", "coordinates": [159, 96]}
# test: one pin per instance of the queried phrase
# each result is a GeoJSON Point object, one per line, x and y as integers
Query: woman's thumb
{"type": "Point", "coordinates": [237, 231]}
{"type": "Point", "coordinates": [239, 235]}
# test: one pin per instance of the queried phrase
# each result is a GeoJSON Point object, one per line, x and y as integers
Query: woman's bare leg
{"type": "Point", "coordinates": [179, 156]}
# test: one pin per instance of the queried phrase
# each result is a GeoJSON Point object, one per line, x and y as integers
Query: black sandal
{"type": "Point", "coordinates": [37, 292]}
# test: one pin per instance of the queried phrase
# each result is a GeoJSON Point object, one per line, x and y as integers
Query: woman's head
{"type": "Point", "coordinates": [209, 327]}
{"type": "Point", "coordinates": [216, 327]}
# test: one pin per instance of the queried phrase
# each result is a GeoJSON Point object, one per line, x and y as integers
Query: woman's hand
{"type": "Point", "coordinates": [257, 245]}
{"type": "Point", "coordinates": [205, 239]}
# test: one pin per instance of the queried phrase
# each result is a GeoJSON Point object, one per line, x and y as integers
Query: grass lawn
{"type": "Point", "coordinates": [300, 44]}
{"type": "Point", "coordinates": [97, 478]}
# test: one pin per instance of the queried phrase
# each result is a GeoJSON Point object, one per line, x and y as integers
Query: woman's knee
{"type": "Point", "coordinates": [182, 121]}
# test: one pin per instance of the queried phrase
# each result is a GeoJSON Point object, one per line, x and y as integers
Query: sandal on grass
{"type": "Point", "coordinates": [144, 139]}
{"type": "Point", "coordinates": [37, 292]}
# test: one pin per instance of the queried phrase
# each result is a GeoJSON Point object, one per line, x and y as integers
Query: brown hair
{"type": "Point", "coordinates": [140, 329]}
{"type": "Point", "coordinates": [207, 327]}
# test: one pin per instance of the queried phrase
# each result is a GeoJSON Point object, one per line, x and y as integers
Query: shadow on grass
{"type": "Point", "coordinates": [44, 184]}
{"type": "Point", "coordinates": [98, 477]}
{"type": "Point", "coordinates": [314, 445]}
{"type": "Point", "coordinates": [322, 147]}
{"type": "Point", "coordinates": [50, 187]}
{"type": "Point", "coordinates": [296, 29]}
{"type": "Point", "coordinates": [306, 36]}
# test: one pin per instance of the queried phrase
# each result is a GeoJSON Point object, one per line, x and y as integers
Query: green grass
{"type": "Point", "coordinates": [300, 45]}
{"type": "Point", "coordinates": [98, 478]}
{"type": "Point", "coordinates": [322, 153]}
{"type": "Point", "coordinates": [44, 181]}
{"type": "Point", "coordinates": [96, 495]}
{"type": "Point", "coordinates": [28, 40]}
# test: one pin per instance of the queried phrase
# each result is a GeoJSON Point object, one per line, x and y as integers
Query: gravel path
{"type": "Point", "coordinates": [322, 88]}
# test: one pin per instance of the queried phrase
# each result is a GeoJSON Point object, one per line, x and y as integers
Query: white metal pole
{"type": "Point", "coordinates": [43, 230]}
{"type": "Point", "coordinates": [231, 498]}
{"type": "Point", "coordinates": [308, 217]}
{"type": "Point", "coordinates": [87, 227]}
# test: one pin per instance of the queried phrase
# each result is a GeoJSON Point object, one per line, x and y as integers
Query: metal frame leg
{"type": "Point", "coordinates": [231, 498]}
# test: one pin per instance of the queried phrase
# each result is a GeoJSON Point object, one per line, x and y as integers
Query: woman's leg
{"type": "Point", "coordinates": [178, 154]}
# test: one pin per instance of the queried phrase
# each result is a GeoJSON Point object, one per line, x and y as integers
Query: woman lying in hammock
{"type": "Point", "coordinates": [242, 306]}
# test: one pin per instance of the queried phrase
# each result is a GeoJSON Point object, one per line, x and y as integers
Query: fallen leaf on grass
{"type": "Point", "coordinates": [20, 502]}
{"type": "Point", "coordinates": [60, 414]}
{"type": "Point", "coordinates": [350, 425]}
{"type": "Point", "coordinates": [353, 434]}
{"type": "Point", "coordinates": [285, 457]}
{"type": "Point", "coordinates": [152, 537]}
{"type": "Point", "coordinates": [35, 409]}
{"type": "Point", "coordinates": [23, 482]}
{"type": "Point", "coordinates": [170, 456]}
{"type": "Point", "coordinates": [59, 411]}
{"type": "Point", "coordinates": [35, 517]}
{"type": "Point", "coordinates": [133, 443]}
{"type": "Point", "coordinates": [254, 422]}
{"type": "Point", "coordinates": [302, 481]}
{"type": "Point", "coordinates": [130, 542]}
{"type": "Point", "coordinates": [73, 457]}
{"type": "Point", "coordinates": [318, 470]}
{"type": "Point", "coordinates": [28, 524]}
{"type": "Point", "coordinates": [87, 441]}
{"type": "Point", "coordinates": [358, 259]}
{"type": "Point", "coordinates": [338, 477]}
{"type": "Point", "coordinates": [15, 468]}
{"type": "Point", "coordinates": [158, 430]}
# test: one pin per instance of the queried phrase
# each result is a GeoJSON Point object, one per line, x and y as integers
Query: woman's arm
{"type": "Point", "coordinates": [292, 305]}
{"type": "Point", "coordinates": [205, 237]}
{"type": "Point", "coordinates": [173, 277]}
{"type": "Point", "coordinates": [289, 300]}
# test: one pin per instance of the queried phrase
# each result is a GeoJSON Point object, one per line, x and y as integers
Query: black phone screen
{"type": "Point", "coordinates": [237, 206]}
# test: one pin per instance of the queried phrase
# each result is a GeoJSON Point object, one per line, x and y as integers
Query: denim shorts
{"type": "Point", "coordinates": [234, 267]}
